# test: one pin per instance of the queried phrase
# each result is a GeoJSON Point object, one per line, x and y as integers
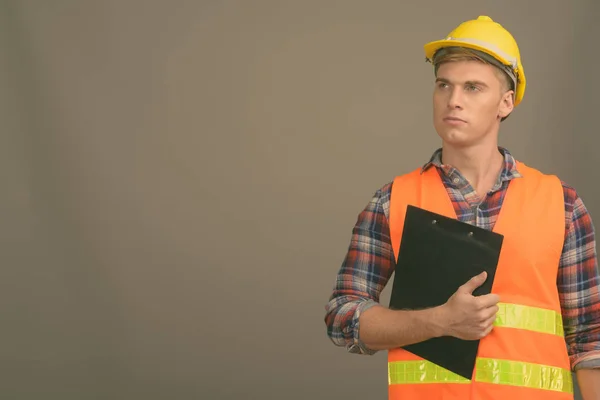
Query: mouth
{"type": "Point", "coordinates": [454, 120]}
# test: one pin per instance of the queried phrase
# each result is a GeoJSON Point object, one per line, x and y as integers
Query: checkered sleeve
{"type": "Point", "coordinates": [578, 280]}
{"type": "Point", "coordinates": [364, 272]}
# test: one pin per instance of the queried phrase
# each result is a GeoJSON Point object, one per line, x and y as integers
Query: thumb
{"type": "Point", "coordinates": [474, 282]}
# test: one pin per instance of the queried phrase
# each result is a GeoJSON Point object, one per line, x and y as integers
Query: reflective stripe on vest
{"type": "Point", "coordinates": [487, 370]}
{"type": "Point", "coordinates": [529, 318]}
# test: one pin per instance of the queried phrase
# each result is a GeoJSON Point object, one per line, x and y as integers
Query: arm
{"type": "Point", "coordinates": [354, 317]}
{"type": "Point", "coordinates": [578, 282]}
{"type": "Point", "coordinates": [357, 321]}
{"type": "Point", "coordinates": [364, 273]}
{"type": "Point", "coordinates": [463, 316]}
{"type": "Point", "coordinates": [382, 328]}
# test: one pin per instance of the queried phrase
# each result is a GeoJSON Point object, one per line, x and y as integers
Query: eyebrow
{"type": "Point", "coordinates": [472, 82]}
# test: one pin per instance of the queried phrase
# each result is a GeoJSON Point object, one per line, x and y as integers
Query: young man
{"type": "Point", "coordinates": [542, 319]}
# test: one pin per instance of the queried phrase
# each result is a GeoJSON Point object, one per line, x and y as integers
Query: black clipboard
{"type": "Point", "coordinates": [437, 255]}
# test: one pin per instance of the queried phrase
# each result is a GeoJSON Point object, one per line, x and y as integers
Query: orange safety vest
{"type": "Point", "coordinates": [525, 356]}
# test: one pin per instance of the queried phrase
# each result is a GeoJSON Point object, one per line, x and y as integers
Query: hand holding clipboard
{"type": "Point", "coordinates": [441, 261]}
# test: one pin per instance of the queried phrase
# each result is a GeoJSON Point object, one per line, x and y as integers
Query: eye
{"type": "Point", "coordinates": [442, 85]}
{"type": "Point", "coordinates": [472, 88]}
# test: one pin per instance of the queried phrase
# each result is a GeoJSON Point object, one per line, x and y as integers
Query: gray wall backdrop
{"type": "Point", "coordinates": [180, 179]}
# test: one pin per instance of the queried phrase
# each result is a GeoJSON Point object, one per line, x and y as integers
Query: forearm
{"type": "Point", "coordinates": [589, 383]}
{"type": "Point", "coordinates": [381, 328]}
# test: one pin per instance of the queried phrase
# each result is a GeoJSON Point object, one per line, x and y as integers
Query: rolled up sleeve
{"type": "Point", "coordinates": [364, 273]}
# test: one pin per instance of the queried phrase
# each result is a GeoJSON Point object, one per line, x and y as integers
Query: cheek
{"type": "Point", "coordinates": [438, 104]}
{"type": "Point", "coordinates": [488, 108]}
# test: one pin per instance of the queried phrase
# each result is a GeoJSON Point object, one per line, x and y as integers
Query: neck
{"type": "Point", "coordinates": [479, 164]}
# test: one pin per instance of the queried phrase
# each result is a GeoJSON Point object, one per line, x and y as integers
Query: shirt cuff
{"type": "Point", "coordinates": [589, 361]}
{"type": "Point", "coordinates": [358, 347]}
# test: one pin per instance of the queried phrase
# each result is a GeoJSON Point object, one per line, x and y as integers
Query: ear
{"type": "Point", "coordinates": [507, 104]}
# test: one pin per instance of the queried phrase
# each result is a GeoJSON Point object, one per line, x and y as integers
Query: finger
{"type": "Point", "coordinates": [489, 321]}
{"type": "Point", "coordinates": [474, 283]}
{"type": "Point", "coordinates": [487, 300]}
{"type": "Point", "coordinates": [487, 314]}
{"type": "Point", "coordinates": [487, 331]}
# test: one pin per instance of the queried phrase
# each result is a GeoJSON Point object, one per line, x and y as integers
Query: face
{"type": "Point", "coordinates": [469, 100]}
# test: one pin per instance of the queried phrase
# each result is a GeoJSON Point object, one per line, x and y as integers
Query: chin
{"type": "Point", "coordinates": [452, 134]}
{"type": "Point", "coordinates": [456, 137]}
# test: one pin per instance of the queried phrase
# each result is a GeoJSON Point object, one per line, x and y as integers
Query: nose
{"type": "Point", "coordinates": [455, 99]}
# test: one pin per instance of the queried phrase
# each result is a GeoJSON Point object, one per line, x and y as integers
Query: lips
{"type": "Point", "coordinates": [454, 119]}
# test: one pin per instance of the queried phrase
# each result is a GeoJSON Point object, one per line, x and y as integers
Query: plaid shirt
{"type": "Point", "coordinates": [369, 262]}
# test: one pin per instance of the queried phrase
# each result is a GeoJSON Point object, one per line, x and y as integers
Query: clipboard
{"type": "Point", "coordinates": [437, 255]}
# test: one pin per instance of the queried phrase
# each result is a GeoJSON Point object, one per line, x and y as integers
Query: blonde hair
{"type": "Point", "coordinates": [464, 54]}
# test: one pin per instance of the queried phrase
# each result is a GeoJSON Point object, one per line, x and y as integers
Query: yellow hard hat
{"type": "Point", "coordinates": [489, 37]}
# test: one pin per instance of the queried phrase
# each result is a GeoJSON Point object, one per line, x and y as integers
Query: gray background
{"type": "Point", "coordinates": [181, 179]}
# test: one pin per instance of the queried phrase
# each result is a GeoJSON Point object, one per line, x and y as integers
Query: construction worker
{"type": "Point", "coordinates": [542, 319]}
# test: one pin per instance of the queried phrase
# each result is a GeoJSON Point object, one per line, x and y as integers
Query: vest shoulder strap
{"type": "Point", "coordinates": [418, 187]}
{"type": "Point", "coordinates": [406, 190]}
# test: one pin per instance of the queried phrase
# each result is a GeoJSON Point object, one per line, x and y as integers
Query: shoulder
{"type": "Point", "coordinates": [577, 216]}
{"type": "Point", "coordinates": [572, 201]}
{"type": "Point", "coordinates": [383, 195]}
{"type": "Point", "coordinates": [570, 195]}
{"type": "Point", "coordinates": [569, 192]}
{"type": "Point", "coordinates": [380, 200]}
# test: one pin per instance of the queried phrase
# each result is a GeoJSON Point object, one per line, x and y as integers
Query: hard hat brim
{"type": "Point", "coordinates": [431, 48]}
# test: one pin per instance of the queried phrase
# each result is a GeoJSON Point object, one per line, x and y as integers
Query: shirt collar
{"type": "Point", "coordinates": [509, 170]}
